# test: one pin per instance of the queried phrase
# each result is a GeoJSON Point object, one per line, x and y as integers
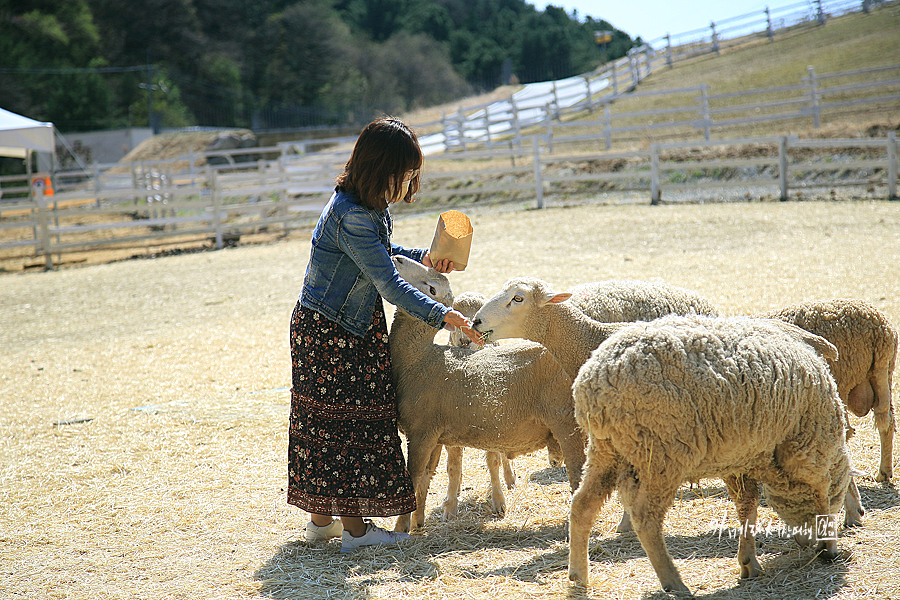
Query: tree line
{"type": "Point", "coordinates": [102, 64]}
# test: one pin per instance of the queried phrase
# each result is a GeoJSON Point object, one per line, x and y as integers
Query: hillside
{"type": "Point", "coordinates": [852, 42]}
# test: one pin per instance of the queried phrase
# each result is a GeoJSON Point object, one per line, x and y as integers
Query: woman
{"type": "Point", "coordinates": [344, 454]}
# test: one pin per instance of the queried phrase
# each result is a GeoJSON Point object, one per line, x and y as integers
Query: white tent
{"type": "Point", "coordinates": [20, 135]}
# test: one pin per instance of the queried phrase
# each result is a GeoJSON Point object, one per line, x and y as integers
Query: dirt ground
{"type": "Point", "coordinates": [143, 426]}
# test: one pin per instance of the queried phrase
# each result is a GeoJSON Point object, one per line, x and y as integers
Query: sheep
{"type": "Point", "coordinates": [682, 398]}
{"type": "Point", "coordinates": [867, 346]}
{"type": "Point", "coordinates": [510, 398]}
{"type": "Point", "coordinates": [468, 304]}
{"type": "Point", "coordinates": [617, 301]}
{"type": "Point", "coordinates": [528, 308]}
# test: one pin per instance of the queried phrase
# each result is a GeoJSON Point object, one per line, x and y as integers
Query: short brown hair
{"type": "Point", "coordinates": [385, 151]}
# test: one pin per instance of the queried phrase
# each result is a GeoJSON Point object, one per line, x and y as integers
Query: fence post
{"type": "Point", "coordinates": [820, 14]}
{"type": "Point", "coordinates": [515, 120]}
{"type": "Point", "coordinates": [555, 99]}
{"type": "Point", "coordinates": [284, 178]}
{"type": "Point", "coordinates": [607, 128]}
{"type": "Point", "coordinates": [892, 165]}
{"type": "Point", "coordinates": [865, 6]}
{"type": "Point", "coordinates": [487, 126]}
{"type": "Point", "coordinates": [588, 99]}
{"type": "Point", "coordinates": [769, 31]}
{"type": "Point", "coordinates": [669, 50]}
{"type": "Point", "coordinates": [715, 37]}
{"type": "Point", "coordinates": [216, 204]}
{"type": "Point", "coordinates": [461, 128]}
{"type": "Point", "coordinates": [43, 227]}
{"type": "Point", "coordinates": [647, 60]}
{"type": "Point", "coordinates": [538, 183]}
{"type": "Point", "coordinates": [549, 122]}
{"type": "Point", "coordinates": [783, 167]}
{"type": "Point", "coordinates": [633, 67]}
{"type": "Point", "coordinates": [615, 81]}
{"type": "Point", "coordinates": [654, 174]}
{"type": "Point", "coordinates": [704, 98]}
{"type": "Point", "coordinates": [814, 95]}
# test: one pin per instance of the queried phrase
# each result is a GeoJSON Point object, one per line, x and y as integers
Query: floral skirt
{"type": "Point", "coordinates": [344, 455]}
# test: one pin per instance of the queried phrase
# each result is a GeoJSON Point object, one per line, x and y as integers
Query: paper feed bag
{"type": "Point", "coordinates": [452, 239]}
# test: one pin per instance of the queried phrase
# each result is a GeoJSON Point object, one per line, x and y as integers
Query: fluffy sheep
{"type": "Point", "coordinates": [617, 301]}
{"type": "Point", "coordinates": [867, 353]}
{"type": "Point", "coordinates": [528, 308]}
{"type": "Point", "coordinates": [510, 398]}
{"type": "Point", "coordinates": [468, 304]}
{"type": "Point", "coordinates": [684, 398]}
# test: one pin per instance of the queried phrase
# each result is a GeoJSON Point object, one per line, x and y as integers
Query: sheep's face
{"type": "Point", "coordinates": [794, 502]}
{"type": "Point", "coordinates": [425, 279]}
{"type": "Point", "coordinates": [506, 315]}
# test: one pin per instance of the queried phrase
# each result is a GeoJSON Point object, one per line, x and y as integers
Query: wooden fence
{"type": "Point", "coordinates": [815, 99]}
{"type": "Point", "coordinates": [167, 206]}
{"type": "Point", "coordinates": [490, 123]}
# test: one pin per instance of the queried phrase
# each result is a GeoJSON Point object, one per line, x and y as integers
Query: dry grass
{"type": "Point", "coordinates": [168, 481]}
{"type": "Point", "coordinates": [848, 43]}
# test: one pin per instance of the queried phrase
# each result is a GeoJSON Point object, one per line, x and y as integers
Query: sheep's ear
{"type": "Point", "coordinates": [557, 298]}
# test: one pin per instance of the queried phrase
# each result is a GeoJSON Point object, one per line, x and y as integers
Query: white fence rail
{"type": "Point", "coordinates": [219, 205]}
{"type": "Point", "coordinates": [482, 124]}
{"type": "Point", "coordinates": [814, 99]}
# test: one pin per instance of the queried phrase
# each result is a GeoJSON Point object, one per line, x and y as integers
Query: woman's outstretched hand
{"type": "Point", "coordinates": [459, 320]}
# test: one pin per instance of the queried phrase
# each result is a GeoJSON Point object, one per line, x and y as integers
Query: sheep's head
{"type": "Point", "coordinates": [507, 314]}
{"type": "Point", "coordinates": [425, 279]}
{"type": "Point", "coordinates": [468, 304]}
{"type": "Point", "coordinates": [794, 502]}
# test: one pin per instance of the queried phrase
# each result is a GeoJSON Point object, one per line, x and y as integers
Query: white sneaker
{"type": "Point", "coordinates": [314, 533]}
{"type": "Point", "coordinates": [374, 536]}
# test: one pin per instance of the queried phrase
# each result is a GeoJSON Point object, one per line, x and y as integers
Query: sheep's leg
{"type": "Point", "coordinates": [884, 422]}
{"type": "Point", "coordinates": [498, 500]}
{"type": "Point", "coordinates": [625, 523]}
{"type": "Point", "coordinates": [509, 476]}
{"type": "Point", "coordinates": [826, 548]}
{"type": "Point", "coordinates": [744, 491]}
{"type": "Point", "coordinates": [596, 488]}
{"type": "Point", "coordinates": [554, 453]}
{"type": "Point", "coordinates": [853, 508]}
{"type": "Point", "coordinates": [572, 446]}
{"type": "Point", "coordinates": [648, 503]}
{"type": "Point", "coordinates": [454, 477]}
{"type": "Point", "coordinates": [419, 454]}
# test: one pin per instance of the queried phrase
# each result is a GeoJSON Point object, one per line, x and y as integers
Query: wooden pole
{"type": "Point", "coordinates": [538, 182]}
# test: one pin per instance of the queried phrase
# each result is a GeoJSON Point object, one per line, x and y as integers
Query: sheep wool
{"type": "Point", "coordinates": [867, 352]}
{"type": "Point", "coordinates": [616, 301]}
{"type": "Point", "coordinates": [684, 398]}
{"type": "Point", "coordinates": [510, 398]}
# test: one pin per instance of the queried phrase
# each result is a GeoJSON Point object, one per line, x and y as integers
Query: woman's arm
{"type": "Point", "coordinates": [358, 237]}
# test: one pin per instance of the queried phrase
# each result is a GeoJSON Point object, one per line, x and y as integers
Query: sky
{"type": "Point", "coordinates": [652, 19]}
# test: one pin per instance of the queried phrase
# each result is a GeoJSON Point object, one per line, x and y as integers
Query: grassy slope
{"type": "Point", "coordinates": [851, 42]}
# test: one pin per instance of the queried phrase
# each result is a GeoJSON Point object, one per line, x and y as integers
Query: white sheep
{"type": "Point", "coordinates": [684, 398]}
{"type": "Point", "coordinates": [528, 308]}
{"type": "Point", "coordinates": [620, 300]}
{"type": "Point", "coordinates": [867, 349]}
{"type": "Point", "coordinates": [468, 304]}
{"type": "Point", "coordinates": [510, 398]}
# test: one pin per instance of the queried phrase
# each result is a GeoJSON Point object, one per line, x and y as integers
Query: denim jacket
{"type": "Point", "coordinates": [350, 268]}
